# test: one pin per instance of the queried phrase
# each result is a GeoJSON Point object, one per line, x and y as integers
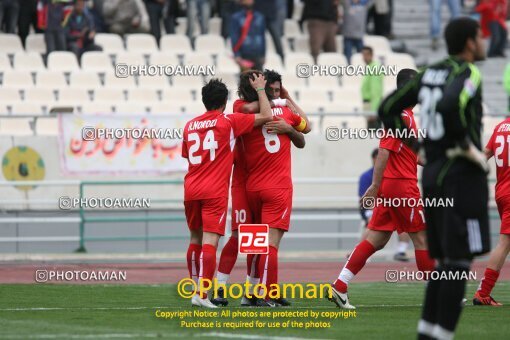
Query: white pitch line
{"type": "Point", "coordinates": [35, 309]}
{"type": "Point", "coordinates": [247, 336]}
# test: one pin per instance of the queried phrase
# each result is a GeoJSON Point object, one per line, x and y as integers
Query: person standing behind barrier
{"type": "Point", "coordinates": [321, 17]}
{"type": "Point", "coordinates": [354, 27]}
{"type": "Point", "coordinates": [201, 10]}
{"type": "Point", "coordinates": [52, 18]}
{"type": "Point", "coordinates": [269, 8]}
{"type": "Point", "coordinates": [435, 18]}
{"type": "Point", "coordinates": [371, 87]}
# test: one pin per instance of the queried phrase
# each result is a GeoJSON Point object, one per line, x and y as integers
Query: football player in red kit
{"type": "Point", "coordinates": [395, 176]}
{"type": "Point", "coordinates": [499, 148]}
{"type": "Point", "coordinates": [208, 145]}
{"type": "Point", "coordinates": [241, 212]}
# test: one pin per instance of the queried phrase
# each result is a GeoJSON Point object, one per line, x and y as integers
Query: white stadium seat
{"type": "Point", "coordinates": [74, 95]}
{"type": "Point", "coordinates": [143, 95]}
{"type": "Point", "coordinates": [50, 79]}
{"type": "Point", "coordinates": [84, 79]}
{"type": "Point", "coordinates": [28, 108]}
{"type": "Point", "coordinates": [302, 44]}
{"type": "Point", "coordinates": [164, 58]}
{"type": "Point", "coordinates": [226, 64]}
{"type": "Point", "coordinates": [324, 82]}
{"type": "Point", "coordinates": [130, 109]}
{"type": "Point", "coordinates": [188, 82]}
{"type": "Point", "coordinates": [331, 59]}
{"type": "Point", "coordinates": [290, 80]}
{"type": "Point", "coordinates": [177, 95]}
{"type": "Point", "coordinates": [16, 127]}
{"type": "Point", "coordinates": [130, 58]}
{"type": "Point", "coordinates": [109, 42]}
{"type": "Point", "coordinates": [17, 79]}
{"type": "Point", "coordinates": [166, 108]}
{"type": "Point", "coordinates": [97, 107]}
{"type": "Point", "coordinates": [215, 26]}
{"type": "Point", "coordinates": [141, 42]}
{"type": "Point", "coordinates": [319, 95]}
{"type": "Point", "coordinates": [291, 28]}
{"type": "Point", "coordinates": [62, 61]}
{"type": "Point", "coordinates": [175, 43]}
{"type": "Point", "coordinates": [198, 59]}
{"type": "Point", "coordinates": [108, 94]}
{"type": "Point", "coordinates": [39, 94]}
{"type": "Point", "coordinates": [293, 59]}
{"type": "Point", "coordinates": [378, 43]}
{"type": "Point", "coordinates": [46, 126]}
{"type": "Point", "coordinates": [10, 43]}
{"type": "Point", "coordinates": [96, 61]}
{"type": "Point", "coordinates": [5, 63]}
{"type": "Point", "coordinates": [209, 43]}
{"type": "Point", "coordinates": [154, 82]}
{"type": "Point", "coordinates": [9, 95]}
{"type": "Point", "coordinates": [29, 61]}
{"type": "Point", "coordinates": [273, 61]}
{"type": "Point", "coordinates": [35, 43]}
{"type": "Point", "coordinates": [112, 81]}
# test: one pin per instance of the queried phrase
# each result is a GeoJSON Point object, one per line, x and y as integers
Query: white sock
{"type": "Point", "coordinates": [402, 247]}
{"type": "Point", "coordinates": [253, 281]}
{"type": "Point", "coordinates": [345, 275]}
{"type": "Point", "coordinates": [222, 278]}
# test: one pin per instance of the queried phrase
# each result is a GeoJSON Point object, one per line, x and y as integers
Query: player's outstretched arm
{"type": "Point", "coordinates": [291, 104]}
{"type": "Point", "coordinates": [259, 83]}
{"type": "Point", "coordinates": [379, 167]}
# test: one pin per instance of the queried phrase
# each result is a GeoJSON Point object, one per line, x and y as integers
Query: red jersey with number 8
{"type": "Point", "coordinates": [208, 144]}
{"type": "Point", "coordinates": [268, 156]}
{"type": "Point", "coordinates": [499, 145]}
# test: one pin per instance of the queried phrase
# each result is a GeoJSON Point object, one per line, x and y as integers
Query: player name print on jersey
{"type": "Point", "coordinates": [204, 124]}
{"type": "Point", "coordinates": [435, 77]}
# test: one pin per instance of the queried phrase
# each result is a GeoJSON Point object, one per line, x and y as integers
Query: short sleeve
{"type": "Point", "coordinates": [184, 146]}
{"type": "Point", "coordinates": [390, 143]}
{"type": "Point", "coordinates": [490, 143]}
{"type": "Point", "coordinates": [241, 123]}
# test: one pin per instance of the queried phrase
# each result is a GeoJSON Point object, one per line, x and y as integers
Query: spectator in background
{"type": "Point", "coordinates": [492, 21]}
{"type": "Point", "coordinates": [125, 16]}
{"type": "Point", "coordinates": [200, 9]}
{"type": "Point", "coordinates": [170, 13]}
{"type": "Point", "coordinates": [381, 12]}
{"type": "Point", "coordinates": [322, 20]}
{"type": "Point", "coordinates": [269, 10]}
{"type": "Point", "coordinates": [155, 12]}
{"type": "Point", "coordinates": [27, 18]}
{"type": "Point", "coordinates": [96, 10]}
{"type": "Point", "coordinates": [355, 23]}
{"type": "Point", "coordinates": [247, 35]}
{"type": "Point", "coordinates": [54, 16]}
{"type": "Point", "coordinates": [226, 9]}
{"type": "Point", "coordinates": [9, 12]}
{"type": "Point", "coordinates": [371, 84]}
{"type": "Point", "coordinates": [506, 83]}
{"type": "Point", "coordinates": [435, 18]}
{"type": "Point", "coordinates": [80, 30]}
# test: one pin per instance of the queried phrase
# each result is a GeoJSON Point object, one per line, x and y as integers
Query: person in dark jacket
{"type": "Point", "coordinates": [247, 35]}
{"type": "Point", "coordinates": [269, 8]}
{"type": "Point", "coordinates": [80, 30]}
{"type": "Point", "coordinates": [322, 20]}
{"type": "Point", "coordinates": [54, 34]}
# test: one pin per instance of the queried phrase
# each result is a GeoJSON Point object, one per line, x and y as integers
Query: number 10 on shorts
{"type": "Point", "coordinates": [253, 238]}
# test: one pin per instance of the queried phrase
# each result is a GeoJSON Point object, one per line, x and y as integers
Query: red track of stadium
{"type": "Point", "coordinates": [162, 273]}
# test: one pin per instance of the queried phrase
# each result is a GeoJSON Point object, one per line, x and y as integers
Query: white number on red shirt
{"type": "Point", "coordinates": [209, 144]}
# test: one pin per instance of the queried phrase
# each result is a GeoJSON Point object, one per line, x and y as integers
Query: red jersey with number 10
{"type": "Point", "coordinates": [208, 144]}
{"type": "Point", "coordinates": [267, 156]}
{"type": "Point", "coordinates": [499, 145]}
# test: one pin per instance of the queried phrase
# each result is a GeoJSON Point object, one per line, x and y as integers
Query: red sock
{"type": "Point", "coordinates": [228, 256]}
{"type": "Point", "coordinates": [268, 268]}
{"type": "Point", "coordinates": [356, 261]}
{"type": "Point", "coordinates": [423, 261]}
{"type": "Point", "coordinates": [252, 265]}
{"type": "Point", "coordinates": [207, 265]}
{"type": "Point", "coordinates": [193, 259]}
{"type": "Point", "coordinates": [488, 281]}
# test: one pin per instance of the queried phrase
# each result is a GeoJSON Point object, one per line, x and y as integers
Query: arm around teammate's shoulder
{"type": "Point", "coordinates": [259, 84]}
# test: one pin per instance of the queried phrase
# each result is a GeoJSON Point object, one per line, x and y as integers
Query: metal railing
{"type": "Point", "coordinates": [82, 220]}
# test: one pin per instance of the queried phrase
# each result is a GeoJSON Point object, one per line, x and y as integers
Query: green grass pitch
{"type": "Point", "coordinates": [384, 311]}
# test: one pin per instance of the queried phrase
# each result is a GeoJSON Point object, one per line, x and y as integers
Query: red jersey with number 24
{"type": "Point", "coordinates": [208, 144]}
{"type": "Point", "coordinates": [268, 156]}
{"type": "Point", "coordinates": [499, 145]}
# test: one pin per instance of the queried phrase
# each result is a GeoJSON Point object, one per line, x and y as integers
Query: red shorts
{"type": "Point", "coordinates": [404, 218]}
{"type": "Point", "coordinates": [272, 207]}
{"type": "Point", "coordinates": [209, 214]}
{"type": "Point", "coordinates": [503, 204]}
{"type": "Point", "coordinates": [241, 212]}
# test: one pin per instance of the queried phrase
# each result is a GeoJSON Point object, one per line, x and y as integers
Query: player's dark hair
{"type": "Point", "coordinates": [369, 49]}
{"type": "Point", "coordinates": [214, 94]}
{"type": "Point", "coordinates": [272, 77]}
{"type": "Point", "coordinates": [458, 32]}
{"type": "Point", "coordinates": [404, 76]}
{"type": "Point", "coordinates": [375, 152]}
{"type": "Point", "coordinates": [245, 91]}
